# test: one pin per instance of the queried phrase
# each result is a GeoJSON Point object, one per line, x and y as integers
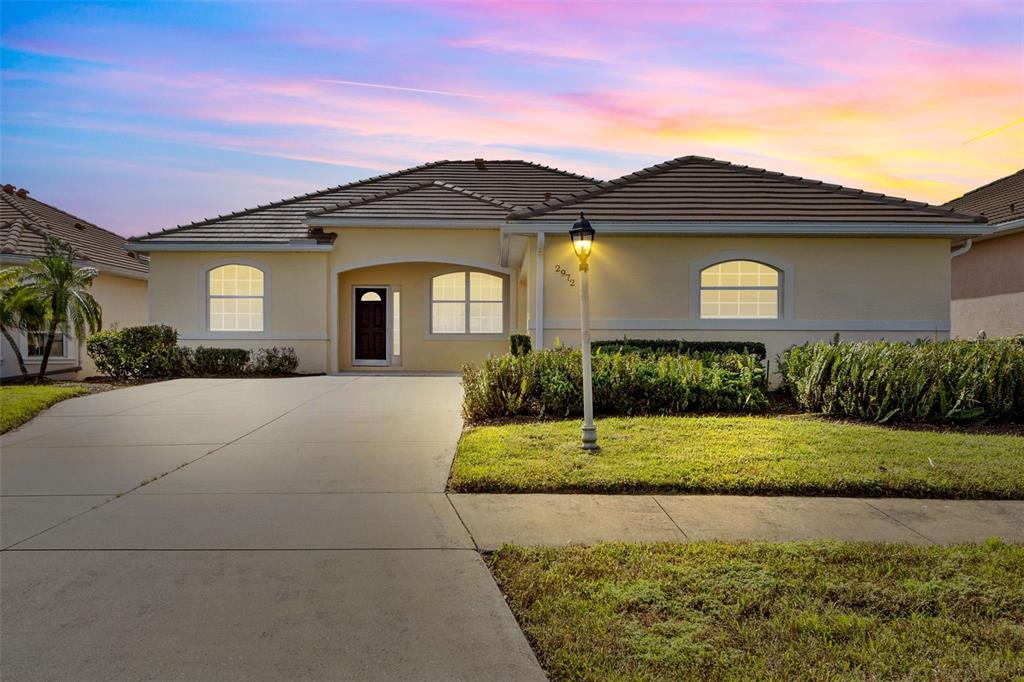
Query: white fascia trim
{"type": "Point", "coordinates": [254, 336]}
{"type": "Point", "coordinates": [303, 245]}
{"type": "Point", "coordinates": [1003, 229]}
{"type": "Point", "coordinates": [761, 228]}
{"type": "Point", "coordinates": [661, 324]}
{"type": "Point", "coordinates": [103, 269]}
{"type": "Point", "coordinates": [406, 223]}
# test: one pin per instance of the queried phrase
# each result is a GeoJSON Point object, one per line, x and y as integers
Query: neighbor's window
{"type": "Point", "coordinates": [37, 342]}
{"type": "Point", "coordinates": [738, 290]}
{"type": "Point", "coordinates": [236, 299]}
{"type": "Point", "coordinates": [467, 303]}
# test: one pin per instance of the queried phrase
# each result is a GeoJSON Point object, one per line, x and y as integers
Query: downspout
{"type": "Point", "coordinates": [962, 250]}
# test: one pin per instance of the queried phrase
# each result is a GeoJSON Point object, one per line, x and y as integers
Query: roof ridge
{"type": "Point", "coordinates": [986, 185]}
{"type": "Point", "coordinates": [448, 186]}
{"type": "Point", "coordinates": [297, 197]}
{"type": "Point", "coordinates": [15, 201]}
{"type": "Point", "coordinates": [357, 183]}
{"type": "Point", "coordinates": [659, 168]}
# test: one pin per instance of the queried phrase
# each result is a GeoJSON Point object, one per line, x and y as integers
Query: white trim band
{"type": "Point", "coordinates": [663, 324]}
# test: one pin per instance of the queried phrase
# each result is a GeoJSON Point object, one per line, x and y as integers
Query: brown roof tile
{"type": "Point", "coordinates": [25, 222]}
{"type": "Point", "coordinates": [999, 201]}
{"type": "Point", "coordinates": [694, 188]}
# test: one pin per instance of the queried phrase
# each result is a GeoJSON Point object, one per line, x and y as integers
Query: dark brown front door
{"type": "Point", "coordinates": [371, 323]}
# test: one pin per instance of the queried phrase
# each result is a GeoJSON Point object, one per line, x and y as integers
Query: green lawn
{"type": "Point", "coordinates": [18, 404]}
{"type": "Point", "coordinates": [776, 455]}
{"type": "Point", "coordinates": [790, 611]}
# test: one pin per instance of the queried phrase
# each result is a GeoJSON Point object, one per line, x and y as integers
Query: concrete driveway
{"type": "Point", "coordinates": [247, 529]}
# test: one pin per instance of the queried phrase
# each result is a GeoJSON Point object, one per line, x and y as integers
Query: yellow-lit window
{"type": "Point", "coordinates": [467, 303]}
{"type": "Point", "coordinates": [739, 290]}
{"type": "Point", "coordinates": [236, 299]}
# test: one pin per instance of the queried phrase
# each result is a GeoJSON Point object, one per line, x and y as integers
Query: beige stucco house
{"type": "Point", "coordinates": [988, 271]}
{"type": "Point", "coordinates": [120, 287]}
{"type": "Point", "coordinates": [433, 266]}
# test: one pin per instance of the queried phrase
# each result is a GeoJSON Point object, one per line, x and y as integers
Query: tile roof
{"type": "Point", "coordinates": [425, 201]}
{"type": "Point", "coordinates": [25, 221]}
{"type": "Point", "coordinates": [695, 188]}
{"type": "Point", "coordinates": [513, 182]}
{"type": "Point", "coordinates": [999, 201]}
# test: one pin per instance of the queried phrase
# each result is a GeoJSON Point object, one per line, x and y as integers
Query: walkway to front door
{"type": "Point", "coordinates": [306, 535]}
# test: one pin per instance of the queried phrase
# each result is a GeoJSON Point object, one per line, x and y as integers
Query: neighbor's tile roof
{"type": "Point", "coordinates": [999, 201]}
{"type": "Point", "coordinates": [426, 201]}
{"type": "Point", "coordinates": [516, 183]}
{"type": "Point", "coordinates": [694, 188]}
{"type": "Point", "coordinates": [25, 222]}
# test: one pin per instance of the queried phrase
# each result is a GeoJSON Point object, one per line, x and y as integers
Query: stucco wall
{"type": "Point", "coordinates": [988, 288]}
{"type": "Point", "coordinates": [295, 312]}
{"type": "Point", "coordinates": [124, 304]}
{"type": "Point", "coordinates": [861, 288]}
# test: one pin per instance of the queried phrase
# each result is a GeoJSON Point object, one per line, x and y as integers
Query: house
{"type": "Point", "coordinates": [433, 266]}
{"type": "Point", "coordinates": [988, 270]}
{"type": "Point", "coordinates": [120, 287]}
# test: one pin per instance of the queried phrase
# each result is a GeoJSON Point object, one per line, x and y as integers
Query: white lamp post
{"type": "Point", "coordinates": [582, 235]}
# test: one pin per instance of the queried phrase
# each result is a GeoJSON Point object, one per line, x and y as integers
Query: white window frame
{"type": "Point", "coordinates": [467, 335]}
{"type": "Point", "coordinates": [777, 289]}
{"type": "Point", "coordinates": [787, 285]}
{"type": "Point", "coordinates": [204, 289]}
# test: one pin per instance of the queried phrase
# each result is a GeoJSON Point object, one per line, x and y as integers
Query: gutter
{"type": "Point", "coordinates": [653, 228]}
{"type": "Point", "coordinates": [295, 246]}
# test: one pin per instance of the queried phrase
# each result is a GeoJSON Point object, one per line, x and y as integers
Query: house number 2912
{"type": "Point", "coordinates": [561, 271]}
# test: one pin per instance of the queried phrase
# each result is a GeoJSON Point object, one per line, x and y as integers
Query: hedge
{"type": "Point", "coordinates": [549, 383]}
{"type": "Point", "coordinates": [928, 381]}
{"type": "Point", "coordinates": [152, 352]}
{"type": "Point", "coordinates": [680, 347]}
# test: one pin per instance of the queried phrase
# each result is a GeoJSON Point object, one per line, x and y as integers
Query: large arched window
{"type": "Point", "coordinates": [467, 303]}
{"type": "Point", "coordinates": [739, 290]}
{"type": "Point", "coordinates": [235, 298]}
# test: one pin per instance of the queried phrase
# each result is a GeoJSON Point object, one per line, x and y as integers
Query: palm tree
{"type": "Point", "coordinates": [19, 311]}
{"type": "Point", "coordinates": [63, 288]}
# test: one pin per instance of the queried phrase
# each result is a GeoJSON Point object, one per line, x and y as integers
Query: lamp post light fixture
{"type": "Point", "coordinates": [582, 235]}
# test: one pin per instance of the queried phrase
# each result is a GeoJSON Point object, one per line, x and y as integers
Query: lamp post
{"type": "Point", "coordinates": [582, 235]}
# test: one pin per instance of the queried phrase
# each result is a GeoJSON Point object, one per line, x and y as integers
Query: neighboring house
{"type": "Point", "coordinates": [988, 272]}
{"type": "Point", "coordinates": [434, 266]}
{"type": "Point", "coordinates": [120, 287]}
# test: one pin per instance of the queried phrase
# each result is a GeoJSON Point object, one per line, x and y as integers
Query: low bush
{"type": "Point", "coordinates": [549, 383]}
{"type": "Point", "coordinates": [206, 361]}
{"type": "Point", "coordinates": [147, 352]}
{"type": "Point", "coordinates": [680, 347]}
{"type": "Point", "coordinates": [928, 381]}
{"type": "Point", "coordinates": [274, 361]}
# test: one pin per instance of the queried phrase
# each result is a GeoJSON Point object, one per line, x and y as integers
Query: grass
{"type": "Point", "coordinates": [18, 404]}
{"type": "Point", "coordinates": [789, 611]}
{"type": "Point", "coordinates": [776, 455]}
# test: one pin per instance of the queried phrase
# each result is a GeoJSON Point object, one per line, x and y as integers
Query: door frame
{"type": "Point", "coordinates": [388, 324]}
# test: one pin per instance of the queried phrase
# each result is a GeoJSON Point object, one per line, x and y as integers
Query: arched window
{"type": "Point", "coordinates": [370, 296]}
{"type": "Point", "coordinates": [236, 298]}
{"type": "Point", "coordinates": [467, 303]}
{"type": "Point", "coordinates": [739, 290]}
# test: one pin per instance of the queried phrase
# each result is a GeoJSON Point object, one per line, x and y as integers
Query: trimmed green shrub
{"type": "Point", "coordinates": [274, 361]}
{"type": "Point", "coordinates": [147, 352]}
{"type": "Point", "coordinates": [208, 361]}
{"type": "Point", "coordinates": [520, 344]}
{"type": "Point", "coordinates": [927, 381]}
{"type": "Point", "coordinates": [549, 383]}
{"type": "Point", "coordinates": [680, 347]}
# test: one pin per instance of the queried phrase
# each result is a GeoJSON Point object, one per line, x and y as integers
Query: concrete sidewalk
{"type": "Point", "coordinates": [493, 520]}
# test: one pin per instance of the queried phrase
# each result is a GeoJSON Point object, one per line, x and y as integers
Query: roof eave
{"type": "Point", "coordinates": [294, 246]}
{"type": "Point", "coordinates": [102, 268]}
{"type": "Point", "coordinates": [705, 228]}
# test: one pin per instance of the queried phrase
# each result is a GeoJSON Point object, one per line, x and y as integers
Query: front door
{"type": "Point", "coordinates": [371, 325]}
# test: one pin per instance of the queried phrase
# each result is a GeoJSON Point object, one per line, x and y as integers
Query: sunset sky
{"type": "Point", "coordinates": [144, 115]}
